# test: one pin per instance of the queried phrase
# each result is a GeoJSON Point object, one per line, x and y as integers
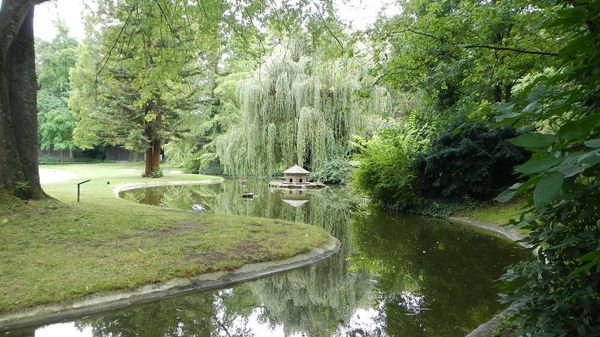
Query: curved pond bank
{"type": "Point", "coordinates": [94, 304]}
{"type": "Point", "coordinates": [393, 276]}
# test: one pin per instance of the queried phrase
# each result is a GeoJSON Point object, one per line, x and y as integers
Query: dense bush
{"type": "Point", "coordinates": [385, 172]}
{"type": "Point", "coordinates": [560, 289]}
{"type": "Point", "coordinates": [468, 159]}
{"type": "Point", "coordinates": [210, 167]}
{"type": "Point", "coordinates": [335, 171]}
{"type": "Point", "coordinates": [46, 160]}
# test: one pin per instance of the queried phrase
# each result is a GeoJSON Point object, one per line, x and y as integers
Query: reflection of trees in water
{"type": "Point", "coordinates": [176, 197]}
{"type": "Point", "coordinates": [219, 313]}
{"type": "Point", "coordinates": [167, 318]}
{"type": "Point", "coordinates": [317, 299]}
{"type": "Point", "coordinates": [450, 266]}
{"type": "Point", "coordinates": [313, 301]}
{"type": "Point", "coordinates": [226, 198]}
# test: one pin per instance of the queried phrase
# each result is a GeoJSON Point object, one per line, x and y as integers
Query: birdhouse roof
{"type": "Point", "coordinates": [296, 170]}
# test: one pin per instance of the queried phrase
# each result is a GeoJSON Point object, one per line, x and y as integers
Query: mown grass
{"type": "Point", "coordinates": [60, 250]}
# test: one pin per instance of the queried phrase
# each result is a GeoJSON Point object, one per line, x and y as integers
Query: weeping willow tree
{"type": "Point", "coordinates": [296, 109]}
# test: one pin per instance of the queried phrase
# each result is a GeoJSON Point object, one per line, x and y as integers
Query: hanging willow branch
{"type": "Point", "coordinates": [295, 109]}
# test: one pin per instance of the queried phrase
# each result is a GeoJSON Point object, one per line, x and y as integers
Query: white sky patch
{"type": "Point", "coordinates": [63, 330]}
{"type": "Point", "coordinates": [360, 14]}
{"type": "Point", "coordinates": [70, 11]}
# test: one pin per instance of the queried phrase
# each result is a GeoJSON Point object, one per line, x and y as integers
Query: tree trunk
{"type": "Point", "coordinates": [18, 107]}
{"type": "Point", "coordinates": [152, 158]}
{"type": "Point", "coordinates": [152, 155]}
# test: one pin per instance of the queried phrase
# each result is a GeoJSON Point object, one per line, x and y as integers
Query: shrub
{"type": "Point", "coordinates": [156, 174]}
{"type": "Point", "coordinates": [335, 171]}
{"type": "Point", "coordinates": [560, 289]}
{"type": "Point", "coordinates": [210, 167]}
{"type": "Point", "coordinates": [385, 172]}
{"type": "Point", "coordinates": [469, 159]}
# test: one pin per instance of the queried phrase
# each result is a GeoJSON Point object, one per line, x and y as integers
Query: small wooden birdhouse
{"type": "Point", "coordinates": [296, 175]}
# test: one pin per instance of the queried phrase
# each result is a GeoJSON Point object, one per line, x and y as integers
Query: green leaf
{"type": "Point", "coordinates": [503, 108]}
{"type": "Point", "coordinates": [570, 169]}
{"type": "Point", "coordinates": [536, 93]}
{"type": "Point", "coordinates": [547, 189]}
{"type": "Point", "coordinates": [509, 116]}
{"type": "Point", "coordinates": [505, 196]}
{"type": "Point", "coordinates": [530, 107]}
{"type": "Point", "coordinates": [533, 140]}
{"type": "Point", "coordinates": [593, 143]}
{"type": "Point", "coordinates": [537, 165]}
{"type": "Point", "coordinates": [591, 158]}
{"type": "Point", "coordinates": [578, 129]}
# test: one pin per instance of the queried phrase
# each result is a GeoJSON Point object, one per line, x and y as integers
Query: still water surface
{"type": "Point", "coordinates": [394, 276]}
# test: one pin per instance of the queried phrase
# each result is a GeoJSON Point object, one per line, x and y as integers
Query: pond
{"type": "Point", "coordinates": [394, 275]}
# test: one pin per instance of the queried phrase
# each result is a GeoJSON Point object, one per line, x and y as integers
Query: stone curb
{"type": "Point", "coordinates": [47, 314]}
{"type": "Point", "coordinates": [508, 233]}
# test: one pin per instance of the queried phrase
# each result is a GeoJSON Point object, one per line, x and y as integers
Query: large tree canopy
{"type": "Point", "coordinates": [462, 53]}
{"type": "Point", "coordinates": [143, 76]}
{"type": "Point", "coordinates": [55, 60]}
{"type": "Point", "coordinates": [296, 108]}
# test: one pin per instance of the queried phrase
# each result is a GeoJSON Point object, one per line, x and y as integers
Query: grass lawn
{"type": "Point", "coordinates": [497, 213]}
{"type": "Point", "coordinates": [61, 250]}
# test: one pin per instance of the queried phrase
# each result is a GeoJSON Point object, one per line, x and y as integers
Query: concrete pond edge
{"type": "Point", "coordinates": [47, 314]}
{"type": "Point", "coordinates": [486, 329]}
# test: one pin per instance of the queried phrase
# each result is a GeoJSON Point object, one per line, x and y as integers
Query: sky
{"type": "Point", "coordinates": [360, 13]}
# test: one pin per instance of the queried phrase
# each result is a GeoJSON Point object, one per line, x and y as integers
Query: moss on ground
{"type": "Point", "coordinates": [60, 250]}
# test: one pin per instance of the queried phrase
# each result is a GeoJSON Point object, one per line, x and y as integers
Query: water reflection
{"type": "Point", "coordinates": [394, 276]}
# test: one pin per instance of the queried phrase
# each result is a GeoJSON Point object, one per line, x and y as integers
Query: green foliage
{"type": "Point", "coordinates": [22, 190]}
{"type": "Point", "coordinates": [210, 165]}
{"type": "Point", "coordinates": [462, 53]}
{"type": "Point", "coordinates": [560, 290]}
{"type": "Point", "coordinates": [386, 171]}
{"type": "Point", "coordinates": [54, 61]}
{"type": "Point", "coordinates": [468, 159]}
{"type": "Point", "coordinates": [133, 83]}
{"type": "Point", "coordinates": [156, 174]}
{"type": "Point", "coordinates": [298, 107]}
{"type": "Point", "coordinates": [56, 131]}
{"type": "Point", "coordinates": [443, 208]}
{"type": "Point", "coordinates": [334, 171]}
{"type": "Point", "coordinates": [45, 160]}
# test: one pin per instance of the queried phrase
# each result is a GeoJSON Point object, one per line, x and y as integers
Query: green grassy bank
{"type": "Point", "coordinates": [60, 250]}
{"type": "Point", "coordinates": [496, 213]}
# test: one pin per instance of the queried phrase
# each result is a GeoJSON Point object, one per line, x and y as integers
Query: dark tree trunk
{"type": "Point", "coordinates": [152, 155]}
{"type": "Point", "coordinates": [18, 108]}
{"type": "Point", "coordinates": [152, 158]}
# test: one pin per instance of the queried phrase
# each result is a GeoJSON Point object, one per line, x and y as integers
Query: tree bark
{"type": "Point", "coordinates": [18, 107]}
{"type": "Point", "coordinates": [152, 158]}
{"type": "Point", "coordinates": [152, 155]}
